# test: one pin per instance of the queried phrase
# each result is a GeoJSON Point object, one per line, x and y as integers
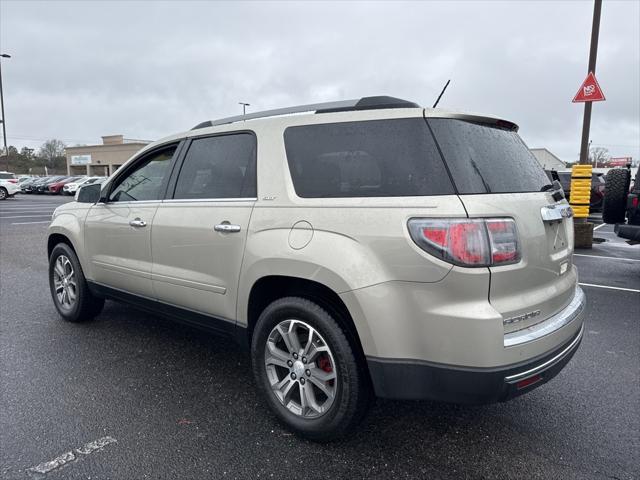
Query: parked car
{"type": "Point", "coordinates": [72, 187]}
{"type": "Point", "coordinates": [29, 186]}
{"type": "Point", "coordinates": [56, 187]}
{"type": "Point", "coordinates": [43, 187]}
{"type": "Point", "coordinates": [597, 187]}
{"type": "Point", "coordinates": [367, 247]}
{"type": "Point", "coordinates": [8, 188]}
{"type": "Point", "coordinates": [621, 203]}
{"type": "Point", "coordinates": [11, 177]}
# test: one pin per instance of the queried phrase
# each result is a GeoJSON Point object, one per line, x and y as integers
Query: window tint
{"type": "Point", "coordinates": [145, 182]}
{"type": "Point", "coordinates": [7, 175]}
{"type": "Point", "coordinates": [484, 159]}
{"type": "Point", "coordinates": [379, 158]}
{"type": "Point", "coordinates": [223, 166]}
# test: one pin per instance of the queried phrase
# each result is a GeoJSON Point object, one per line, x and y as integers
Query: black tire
{"type": "Point", "coordinates": [616, 189]}
{"type": "Point", "coordinates": [352, 389]}
{"type": "Point", "coordinates": [86, 305]}
{"type": "Point", "coordinates": [3, 193]}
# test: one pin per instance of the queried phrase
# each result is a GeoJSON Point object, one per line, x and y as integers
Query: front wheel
{"type": "Point", "coordinates": [69, 290]}
{"type": "Point", "coordinates": [308, 371]}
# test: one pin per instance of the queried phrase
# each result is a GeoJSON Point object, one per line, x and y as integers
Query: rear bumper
{"type": "Point", "coordinates": [417, 380]}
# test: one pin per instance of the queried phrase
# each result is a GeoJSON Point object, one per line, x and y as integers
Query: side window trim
{"type": "Point", "coordinates": [171, 190]}
{"type": "Point", "coordinates": [104, 198]}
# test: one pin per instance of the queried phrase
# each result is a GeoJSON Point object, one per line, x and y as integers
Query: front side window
{"type": "Point", "coordinates": [377, 158]}
{"type": "Point", "coordinates": [222, 166]}
{"type": "Point", "coordinates": [145, 182]}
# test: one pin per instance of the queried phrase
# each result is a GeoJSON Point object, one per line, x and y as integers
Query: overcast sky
{"type": "Point", "coordinates": [85, 69]}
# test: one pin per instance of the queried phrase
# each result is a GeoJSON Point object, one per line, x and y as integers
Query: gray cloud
{"type": "Point", "coordinates": [81, 70]}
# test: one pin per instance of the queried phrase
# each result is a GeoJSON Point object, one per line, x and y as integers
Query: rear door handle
{"type": "Point", "coordinates": [137, 222]}
{"type": "Point", "coordinates": [226, 227]}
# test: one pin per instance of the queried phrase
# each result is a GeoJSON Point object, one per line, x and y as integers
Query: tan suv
{"type": "Point", "coordinates": [356, 248]}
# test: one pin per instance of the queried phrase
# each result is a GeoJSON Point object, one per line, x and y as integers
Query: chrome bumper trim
{"type": "Point", "coordinates": [550, 325]}
{"type": "Point", "coordinates": [549, 363]}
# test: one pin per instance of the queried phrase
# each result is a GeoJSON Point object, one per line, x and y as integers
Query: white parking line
{"type": "Point", "coordinates": [30, 223]}
{"type": "Point", "coordinates": [599, 226]}
{"type": "Point", "coordinates": [28, 216]}
{"type": "Point", "coordinates": [602, 256]}
{"type": "Point", "coordinates": [609, 287]}
{"type": "Point", "coordinates": [72, 455]}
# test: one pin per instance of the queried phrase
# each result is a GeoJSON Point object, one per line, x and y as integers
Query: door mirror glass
{"type": "Point", "coordinates": [89, 193]}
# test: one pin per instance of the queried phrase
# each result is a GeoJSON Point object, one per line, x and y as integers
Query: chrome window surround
{"type": "Point", "coordinates": [550, 325]}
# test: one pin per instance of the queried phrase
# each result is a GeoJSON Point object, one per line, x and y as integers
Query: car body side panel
{"type": "Point", "coordinates": [68, 220]}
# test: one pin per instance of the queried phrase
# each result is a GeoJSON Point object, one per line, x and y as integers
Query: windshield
{"type": "Point", "coordinates": [486, 159]}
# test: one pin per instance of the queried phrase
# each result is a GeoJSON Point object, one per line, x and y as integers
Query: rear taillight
{"type": "Point", "coordinates": [466, 242]}
{"type": "Point", "coordinates": [12, 180]}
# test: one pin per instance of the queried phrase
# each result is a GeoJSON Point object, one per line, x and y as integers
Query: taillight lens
{"type": "Point", "coordinates": [468, 242]}
{"type": "Point", "coordinates": [12, 180]}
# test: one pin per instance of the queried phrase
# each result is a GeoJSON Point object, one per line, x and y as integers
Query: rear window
{"type": "Point", "coordinates": [4, 175]}
{"type": "Point", "coordinates": [485, 159]}
{"type": "Point", "coordinates": [378, 158]}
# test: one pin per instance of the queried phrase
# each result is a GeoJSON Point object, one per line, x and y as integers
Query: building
{"type": "Point", "coordinates": [101, 159]}
{"type": "Point", "coordinates": [547, 159]}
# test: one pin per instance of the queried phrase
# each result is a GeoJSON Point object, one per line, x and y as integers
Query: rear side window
{"type": "Point", "coordinates": [223, 166]}
{"type": "Point", "coordinates": [378, 158]}
{"type": "Point", "coordinates": [4, 176]}
{"type": "Point", "coordinates": [485, 159]}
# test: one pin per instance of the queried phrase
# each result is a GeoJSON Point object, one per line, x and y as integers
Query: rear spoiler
{"type": "Point", "coordinates": [482, 119]}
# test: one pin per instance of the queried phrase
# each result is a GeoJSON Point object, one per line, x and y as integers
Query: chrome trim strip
{"type": "Point", "coordinates": [200, 200]}
{"type": "Point", "coordinates": [181, 282]}
{"type": "Point", "coordinates": [549, 363]}
{"type": "Point", "coordinates": [550, 325]}
{"type": "Point", "coordinates": [556, 213]}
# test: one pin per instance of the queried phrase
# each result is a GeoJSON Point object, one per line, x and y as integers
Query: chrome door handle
{"type": "Point", "coordinates": [136, 222]}
{"type": "Point", "coordinates": [226, 227]}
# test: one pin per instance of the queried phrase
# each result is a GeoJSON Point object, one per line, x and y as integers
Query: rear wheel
{"type": "Point", "coordinates": [616, 189]}
{"type": "Point", "coordinates": [3, 193]}
{"type": "Point", "coordinates": [307, 370]}
{"type": "Point", "coordinates": [69, 289]}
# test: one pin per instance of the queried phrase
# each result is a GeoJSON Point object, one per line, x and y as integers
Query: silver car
{"type": "Point", "coordinates": [357, 249]}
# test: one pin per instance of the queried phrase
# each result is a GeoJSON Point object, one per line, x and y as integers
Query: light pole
{"type": "Point", "coordinates": [4, 128]}
{"type": "Point", "coordinates": [244, 107]}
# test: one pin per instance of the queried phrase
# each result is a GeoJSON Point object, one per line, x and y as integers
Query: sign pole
{"type": "Point", "coordinates": [593, 53]}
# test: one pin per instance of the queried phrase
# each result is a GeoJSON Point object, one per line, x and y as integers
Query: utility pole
{"type": "Point", "coordinates": [244, 107]}
{"type": "Point", "coordinates": [4, 128]}
{"type": "Point", "coordinates": [593, 53]}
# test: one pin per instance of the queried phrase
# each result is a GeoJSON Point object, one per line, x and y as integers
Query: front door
{"type": "Point", "coordinates": [118, 230]}
{"type": "Point", "coordinates": [199, 235]}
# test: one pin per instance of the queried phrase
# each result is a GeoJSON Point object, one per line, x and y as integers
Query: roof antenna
{"type": "Point", "coordinates": [441, 93]}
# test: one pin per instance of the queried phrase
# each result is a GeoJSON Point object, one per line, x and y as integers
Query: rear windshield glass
{"type": "Point", "coordinates": [484, 159]}
{"type": "Point", "coordinates": [379, 158]}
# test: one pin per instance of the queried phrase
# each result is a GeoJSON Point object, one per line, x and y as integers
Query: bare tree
{"type": "Point", "coordinates": [598, 156]}
{"type": "Point", "coordinates": [51, 150]}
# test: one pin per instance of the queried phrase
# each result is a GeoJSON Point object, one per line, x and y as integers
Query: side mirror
{"type": "Point", "coordinates": [89, 193]}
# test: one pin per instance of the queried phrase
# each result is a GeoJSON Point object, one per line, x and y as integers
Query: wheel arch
{"type": "Point", "coordinates": [269, 288]}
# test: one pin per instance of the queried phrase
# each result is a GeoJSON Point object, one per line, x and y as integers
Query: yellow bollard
{"type": "Point", "coordinates": [580, 190]}
{"type": "Point", "coordinates": [579, 200]}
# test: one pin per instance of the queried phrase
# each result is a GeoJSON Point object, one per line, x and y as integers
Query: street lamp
{"type": "Point", "coordinates": [244, 107]}
{"type": "Point", "coordinates": [4, 128]}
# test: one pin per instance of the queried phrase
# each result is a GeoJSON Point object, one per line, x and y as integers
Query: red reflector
{"type": "Point", "coordinates": [528, 381]}
{"type": "Point", "coordinates": [634, 202]}
{"type": "Point", "coordinates": [436, 235]}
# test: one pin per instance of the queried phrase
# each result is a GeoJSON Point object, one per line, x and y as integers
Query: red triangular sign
{"type": "Point", "coordinates": [590, 91]}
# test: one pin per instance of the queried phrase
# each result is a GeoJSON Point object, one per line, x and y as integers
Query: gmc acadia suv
{"type": "Point", "coordinates": [363, 247]}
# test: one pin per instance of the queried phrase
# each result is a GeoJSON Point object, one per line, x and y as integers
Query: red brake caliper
{"type": "Point", "coordinates": [325, 364]}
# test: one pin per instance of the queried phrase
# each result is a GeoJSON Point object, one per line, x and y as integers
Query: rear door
{"type": "Point", "coordinates": [199, 234]}
{"type": "Point", "coordinates": [497, 176]}
{"type": "Point", "coordinates": [118, 230]}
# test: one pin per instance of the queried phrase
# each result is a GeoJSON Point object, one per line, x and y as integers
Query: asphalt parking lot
{"type": "Point", "coordinates": [166, 401]}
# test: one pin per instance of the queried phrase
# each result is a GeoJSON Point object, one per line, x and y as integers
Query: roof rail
{"type": "Point", "coordinates": [364, 103]}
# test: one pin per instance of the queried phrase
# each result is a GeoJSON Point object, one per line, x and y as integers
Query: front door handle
{"type": "Point", "coordinates": [226, 227]}
{"type": "Point", "coordinates": [137, 222]}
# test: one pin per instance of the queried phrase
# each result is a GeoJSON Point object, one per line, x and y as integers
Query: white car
{"type": "Point", "coordinates": [8, 189]}
{"type": "Point", "coordinates": [72, 188]}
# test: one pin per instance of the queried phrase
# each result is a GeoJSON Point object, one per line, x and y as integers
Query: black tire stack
{"type": "Point", "coordinates": [616, 189]}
